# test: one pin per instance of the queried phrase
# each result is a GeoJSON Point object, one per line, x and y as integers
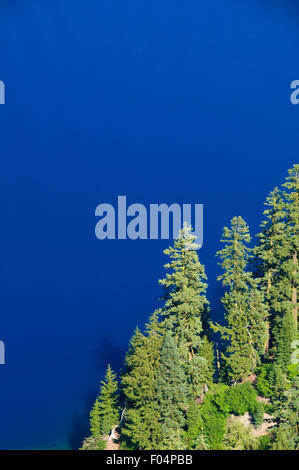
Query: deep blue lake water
{"type": "Point", "coordinates": [171, 101]}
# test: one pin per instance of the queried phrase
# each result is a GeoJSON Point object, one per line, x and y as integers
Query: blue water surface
{"type": "Point", "coordinates": [161, 101]}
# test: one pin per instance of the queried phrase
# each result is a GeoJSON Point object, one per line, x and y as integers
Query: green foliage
{"type": "Point", "coordinates": [171, 395]}
{"type": "Point", "coordinates": [267, 256]}
{"type": "Point", "coordinates": [219, 403]}
{"type": "Point", "coordinates": [285, 333]}
{"type": "Point", "coordinates": [258, 414]}
{"type": "Point", "coordinates": [125, 443]}
{"type": "Point", "coordinates": [218, 395]}
{"type": "Point", "coordinates": [265, 442]}
{"type": "Point", "coordinates": [206, 351]}
{"type": "Point", "coordinates": [212, 415]}
{"type": "Point", "coordinates": [271, 380]}
{"type": "Point", "coordinates": [277, 260]}
{"type": "Point", "coordinates": [208, 420]}
{"type": "Point", "coordinates": [141, 426]}
{"type": "Point", "coordinates": [201, 443]}
{"type": "Point", "coordinates": [168, 397]}
{"type": "Point", "coordinates": [95, 421]}
{"type": "Point", "coordinates": [244, 304]}
{"type": "Point", "coordinates": [214, 422]}
{"type": "Point", "coordinates": [263, 384]}
{"type": "Point", "coordinates": [292, 372]}
{"type": "Point", "coordinates": [194, 426]}
{"type": "Point", "coordinates": [287, 419]}
{"type": "Point", "coordinates": [186, 309]}
{"type": "Point", "coordinates": [290, 266]}
{"type": "Point", "coordinates": [104, 414]}
{"type": "Point", "coordinates": [241, 398]}
{"type": "Point", "coordinates": [94, 443]}
{"type": "Point", "coordinates": [238, 437]}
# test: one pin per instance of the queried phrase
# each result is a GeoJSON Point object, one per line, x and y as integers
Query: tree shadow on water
{"type": "Point", "coordinates": [79, 429]}
{"type": "Point", "coordinates": [108, 352]}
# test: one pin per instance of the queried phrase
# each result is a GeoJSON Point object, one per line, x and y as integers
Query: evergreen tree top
{"type": "Point", "coordinates": [235, 255]}
{"type": "Point", "coordinates": [110, 381]}
{"type": "Point", "coordinates": [185, 269]}
{"type": "Point", "coordinates": [292, 181]}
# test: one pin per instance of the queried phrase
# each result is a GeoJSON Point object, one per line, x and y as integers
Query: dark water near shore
{"type": "Point", "coordinates": [172, 101]}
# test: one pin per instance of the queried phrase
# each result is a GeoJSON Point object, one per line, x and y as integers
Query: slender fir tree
{"type": "Point", "coordinates": [194, 425]}
{"type": "Point", "coordinates": [104, 414]}
{"type": "Point", "coordinates": [186, 308]}
{"type": "Point", "coordinates": [285, 326]}
{"type": "Point", "coordinates": [268, 254]}
{"type": "Point", "coordinates": [95, 420]}
{"type": "Point", "coordinates": [172, 396]}
{"type": "Point", "coordinates": [277, 257]}
{"type": "Point", "coordinates": [243, 302]}
{"type": "Point", "coordinates": [292, 240]}
{"type": "Point", "coordinates": [286, 416]}
{"type": "Point", "coordinates": [141, 425]}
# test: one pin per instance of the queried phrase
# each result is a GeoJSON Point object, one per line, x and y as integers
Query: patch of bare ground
{"type": "Point", "coordinates": [251, 379]}
{"type": "Point", "coordinates": [261, 430]}
{"type": "Point", "coordinates": [263, 399]}
{"type": "Point", "coordinates": [112, 441]}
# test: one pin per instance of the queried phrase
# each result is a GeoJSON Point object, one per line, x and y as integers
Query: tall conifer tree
{"type": "Point", "coordinates": [172, 396]}
{"type": "Point", "coordinates": [104, 414]}
{"type": "Point", "coordinates": [277, 259]}
{"type": "Point", "coordinates": [268, 254]}
{"type": "Point", "coordinates": [185, 309]}
{"type": "Point", "coordinates": [286, 416]}
{"type": "Point", "coordinates": [139, 387]}
{"type": "Point", "coordinates": [292, 214]}
{"type": "Point", "coordinates": [243, 302]}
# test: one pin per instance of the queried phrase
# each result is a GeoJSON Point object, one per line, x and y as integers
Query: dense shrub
{"type": "Point", "coordinates": [241, 398]}
{"type": "Point", "coordinates": [239, 437]}
{"type": "Point", "coordinates": [258, 414]}
{"type": "Point", "coordinates": [262, 384]}
{"type": "Point", "coordinates": [213, 424]}
{"type": "Point", "coordinates": [94, 443]}
{"type": "Point", "coordinates": [210, 418]}
{"type": "Point", "coordinates": [272, 380]}
{"type": "Point", "coordinates": [265, 442]}
{"type": "Point", "coordinates": [292, 371]}
{"type": "Point", "coordinates": [194, 425]}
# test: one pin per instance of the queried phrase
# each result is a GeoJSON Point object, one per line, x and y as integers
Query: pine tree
{"type": "Point", "coordinates": [185, 309]}
{"type": "Point", "coordinates": [285, 325]}
{"type": "Point", "coordinates": [278, 381]}
{"type": "Point", "coordinates": [171, 395]}
{"type": "Point", "coordinates": [207, 372]}
{"type": "Point", "coordinates": [104, 414]}
{"type": "Point", "coordinates": [95, 426]}
{"type": "Point", "coordinates": [194, 425]}
{"type": "Point", "coordinates": [268, 254]}
{"type": "Point", "coordinates": [286, 416]}
{"type": "Point", "coordinates": [141, 425]}
{"type": "Point", "coordinates": [276, 256]}
{"type": "Point", "coordinates": [292, 215]}
{"type": "Point", "coordinates": [243, 302]}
